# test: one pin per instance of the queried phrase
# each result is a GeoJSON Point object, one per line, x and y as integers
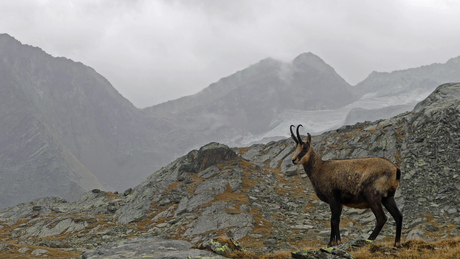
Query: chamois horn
{"type": "Point", "coordinates": [292, 134]}
{"type": "Point", "coordinates": [298, 135]}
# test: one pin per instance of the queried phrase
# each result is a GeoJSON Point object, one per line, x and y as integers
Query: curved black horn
{"type": "Point", "coordinates": [292, 134]}
{"type": "Point", "coordinates": [298, 135]}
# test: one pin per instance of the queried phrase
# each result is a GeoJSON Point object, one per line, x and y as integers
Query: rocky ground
{"type": "Point", "coordinates": [254, 195]}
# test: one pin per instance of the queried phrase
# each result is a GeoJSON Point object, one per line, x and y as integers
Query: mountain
{"type": "Point", "coordinates": [380, 96]}
{"type": "Point", "coordinates": [421, 79]}
{"type": "Point", "coordinates": [34, 162]}
{"type": "Point", "coordinates": [400, 90]}
{"type": "Point", "coordinates": [254, 197]}
{"type": "Point", "coordinates": [55, 108]}
{"type": "Point", "coordinates": [249, 101]}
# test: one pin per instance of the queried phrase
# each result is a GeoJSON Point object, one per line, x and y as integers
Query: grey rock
{"type": "Point", "coordinates": [367, 220]}
{"type": "Point", "coordinates": [431, 228]}
{"type": "Point", "coordinates": [417, 222]}
{"type": "Point", "coordinates": [292, 171]}
{"type": "Point", "coordinates": [324, 253]}
{"type": "Point", "coordinates": [324, 233]}
{"type": "Point", "coordinates": [283, 154]}
{"type": "Point", "coordinates": [254, 151]}
{"type": "Point", "coordinates": [215, 218]}
{"type": "Point", "coordinates": [302, 227]}
{"type": "Point", "coordinates": [355, 243]}
{"type": "Point", "coordinates": [270, 241]}
{"type": "Point", "coordinates": [415, 234]}
{"type": "Point", "coordinates": [452, 211]}
{"type": "Point", "coordinates": [54, 227]}
{"type": "Point", "coordinates": [162, 225]}
{"type": "Point", "coordinates": [127, 191]}
{"type": "Point", "coordinates": [112, 207]}
{"type": "Point", "coordinates": [39, 251]}
{"type": "Point", "coordinates": [222, 249]}
{"type": "Point", "coordinates": [151, 247]}
{"type": "Point", "coordinates": [4, 246]}
{"type": "Point", "coordinates": [209, 172]}
{"type": "Point", "coordinates": [182, 207]}
{"type": "Point", "coordinates": [23, 250]}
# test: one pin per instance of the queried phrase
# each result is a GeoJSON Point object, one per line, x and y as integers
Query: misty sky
{"type": "Point", "coordinates": [154, 51]}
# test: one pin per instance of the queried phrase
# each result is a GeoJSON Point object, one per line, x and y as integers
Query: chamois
{"type": "Point", "coordinates": [358, 183]}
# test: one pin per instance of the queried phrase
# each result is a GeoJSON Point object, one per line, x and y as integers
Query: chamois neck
{"type": "Point", "coordinates": [313, 163]}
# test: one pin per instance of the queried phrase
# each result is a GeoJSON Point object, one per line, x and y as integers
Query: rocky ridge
{"type": "Point", "coordinates": [256, 196]}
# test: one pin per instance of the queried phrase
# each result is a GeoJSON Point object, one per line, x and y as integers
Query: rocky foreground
{"type": "Point", "coordinates": [254, 196]}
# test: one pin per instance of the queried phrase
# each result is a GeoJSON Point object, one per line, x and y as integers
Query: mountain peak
{"type": "Point", "coordinates": [8, 39]}
{"type": "Point", "coordinates": [454, 60]}
{"type": "Point", "coordinates": [311, 60]}
{"type": "Point", "coordinates": [307, 57]}
{"type": "Point", "coordinates": [6, 35]}
{"type": "Point", "coordinates": [444, 93]}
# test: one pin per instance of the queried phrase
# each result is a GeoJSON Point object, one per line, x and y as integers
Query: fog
{"type": "Point", "coordinates": [154, 51]}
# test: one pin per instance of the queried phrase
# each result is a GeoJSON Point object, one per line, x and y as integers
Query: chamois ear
{"type": "Point", "coordinates": [308, 138]}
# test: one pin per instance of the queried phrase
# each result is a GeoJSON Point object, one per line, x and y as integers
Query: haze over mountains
{"type": "Point", "coordinates": [64, 129]}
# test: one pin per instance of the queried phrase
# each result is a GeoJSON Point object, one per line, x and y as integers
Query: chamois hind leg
{"type": "Point", "coordinates": [336, 211]}
{"type": "Point", "coordinates": [375, 204]}
{"type": "Point", "coordinates": [390, 205]}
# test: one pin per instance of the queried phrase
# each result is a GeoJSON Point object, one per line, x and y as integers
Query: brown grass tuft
{"type": "Point", "coordinates": [253, 255]}
{"type": "Point", "coordinates": [449, 248]}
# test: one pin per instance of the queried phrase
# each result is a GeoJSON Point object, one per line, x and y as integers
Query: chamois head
{"type": "Point", "coordinates": [302, 151]}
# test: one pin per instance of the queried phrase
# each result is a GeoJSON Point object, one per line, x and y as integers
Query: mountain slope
{"type": "Point", "coordinates": [400, 90]}
{"type": "Point", "coordinates": [34, 163]}
{"type": "Point", "coordinates": [422, 79]}
{"type": "Point", "coordinates": [256, 196]}
{"type": "Point", "coordinates": [247, 102]}
{"type": "Point", "coordinates": [81, 110]}
{"type": "Point", "coordinates": [271, 80]}
{"type": "Point", "coordinates": [379, 96]}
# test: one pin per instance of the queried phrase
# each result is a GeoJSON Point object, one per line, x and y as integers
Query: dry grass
{"type": "Point", "coordinates": [243, 150]}
{"type": "Point", "coordinates": [253, 255]}
{"type": "Point", "coordinates": [372, 130]}
{"type": "Point", "coordinates": [111, 195]}
{"type": "Point", "coordinates": [449, 248]}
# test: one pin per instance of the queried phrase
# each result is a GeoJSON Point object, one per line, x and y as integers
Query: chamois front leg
{"type": "Point", "coordinates": [336, 211]}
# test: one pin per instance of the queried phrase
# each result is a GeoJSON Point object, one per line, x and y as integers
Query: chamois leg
{"type": "Point", "coordinates": [376, 207]}
{"type": "Point", "coordinates": [336, 211]}
{"type": "Point", "coordinates": [390, 205]}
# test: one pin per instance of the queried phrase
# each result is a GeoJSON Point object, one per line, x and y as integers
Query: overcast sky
{"type": "Point", "coordinates": [155, 51]}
